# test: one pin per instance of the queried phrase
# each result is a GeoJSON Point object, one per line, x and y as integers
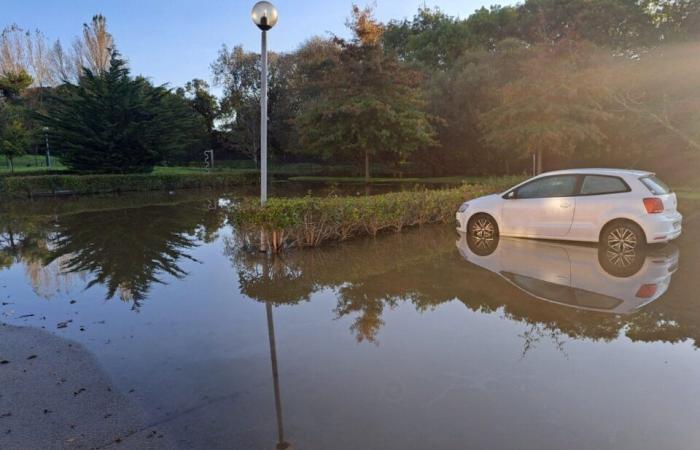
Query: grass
{"type": "Point", "coordinates": [688, 194]}
{"type": "Point", "coordinates": [451, 180]}
{"type": "Point", "coordinates": [30, 163]}
{"type": "Point", "coordinates": [71, 184]}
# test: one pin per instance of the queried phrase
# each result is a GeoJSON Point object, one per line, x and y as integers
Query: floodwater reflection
{"type": "Point", "coordinates": [557, 289]}
{"type": "Point", "coordinates": [404, 341]}
{"type": "Point", "coordinates": [126, 249]}
{"type": "Point", "coordinates": [594, 278]}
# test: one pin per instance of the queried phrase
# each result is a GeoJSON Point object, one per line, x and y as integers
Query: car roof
{"type": "Point", "coordinates": [603, 171]}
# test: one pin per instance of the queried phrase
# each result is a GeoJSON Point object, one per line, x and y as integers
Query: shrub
{"type": "Point", "coordinates": [311, 221]}
{"type": "Point", "coordinates": [97, 184]}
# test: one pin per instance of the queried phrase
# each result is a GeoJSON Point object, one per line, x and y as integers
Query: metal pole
{"type": "Point", "coordinates": [263, 122]}
{"type": "Point", "coordinates": [48, 152]}
{"type": "Point", "coordinates": [263, 131]}
{"type": "Point", "coordinates": [275, 376]}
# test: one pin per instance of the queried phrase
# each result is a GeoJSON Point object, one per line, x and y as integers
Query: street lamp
{"type": "Point", "coordinates": [264, 16]}
{"type": "Point", "coordinates": [48, 152]}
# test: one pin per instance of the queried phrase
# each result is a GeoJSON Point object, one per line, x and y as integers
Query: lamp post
{"type": "Point", "coordinates": [264, 16]}
{"type": "Point", "coordinates": [48, 152]}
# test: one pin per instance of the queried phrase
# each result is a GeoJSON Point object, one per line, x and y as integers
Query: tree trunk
{"type": "Point", "coordinates": [12, 166]}
{"type": "Point", "coordinates": [540, 157]}
{"type": "Point", "coordinates": [366, 166]}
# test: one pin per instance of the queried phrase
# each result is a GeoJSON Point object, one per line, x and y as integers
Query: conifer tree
{"type": "Point", "coordinates": [112, 123]}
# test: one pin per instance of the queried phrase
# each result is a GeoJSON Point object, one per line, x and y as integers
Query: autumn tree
{"type": "Point", "coordinates": [549, 110]}
{"type": "Point", "coordinates": [93, 49]}
{"type": "Point", "coordinates": [367, 103]}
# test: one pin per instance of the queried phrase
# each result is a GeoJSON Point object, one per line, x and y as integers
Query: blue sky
{"type": "Point", "coordinates": [173, 41]}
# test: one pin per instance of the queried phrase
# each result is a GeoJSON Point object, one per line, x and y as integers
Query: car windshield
{"type": "Point", "coordinates": [655, 185]}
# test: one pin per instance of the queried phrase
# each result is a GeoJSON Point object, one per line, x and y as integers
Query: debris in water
{"type": "Point", "coordinates": [63, 324]}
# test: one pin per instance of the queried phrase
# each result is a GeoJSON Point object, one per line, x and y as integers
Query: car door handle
{"type": "Point", "coordinates": [565, 204]}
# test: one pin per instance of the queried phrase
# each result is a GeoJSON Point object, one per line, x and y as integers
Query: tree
{"type": "Point", "coordinates": [14, 139]}
{"type": "Point", "coordinates": [549, 110]}
{"type": "Point", "coordinates": [94, 49]}
{"type": "Point", "coordinates": [367, 104]}
{"type": "Point", "coordinates": [238, 72]}
{"type": "Point", "coordinates": [110, 122]}
{"type": "Point", "coordinates": [432, 39]}
{"type": "Point", "coordinates": [12, 84]}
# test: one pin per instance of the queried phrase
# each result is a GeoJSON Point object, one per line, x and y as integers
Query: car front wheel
{"type": "Point", "coordinates": [482, 227]}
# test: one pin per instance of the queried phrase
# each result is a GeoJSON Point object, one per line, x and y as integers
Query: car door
{"type": "Point", "coordinates": [544, 207]}
{"type": "Point", "coordinates": [598, 195]}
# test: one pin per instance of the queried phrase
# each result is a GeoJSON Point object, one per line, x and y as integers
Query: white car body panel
{"type": "Point", "coordinates": [578, 217]}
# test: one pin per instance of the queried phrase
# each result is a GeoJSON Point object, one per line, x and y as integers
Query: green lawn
{"type": "Point", "coordinates": [31, 163]}
{"type": "Point", "coordinates": [419, 180]}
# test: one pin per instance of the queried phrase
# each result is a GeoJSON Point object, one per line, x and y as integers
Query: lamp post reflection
{"type": "Point", "coordinates": [281, 443]}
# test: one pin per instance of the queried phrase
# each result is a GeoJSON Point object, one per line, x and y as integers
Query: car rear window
{"type": "Point", "coordinates": [655, 186]}
{"type": "Point", "coordinates": [600, 184]}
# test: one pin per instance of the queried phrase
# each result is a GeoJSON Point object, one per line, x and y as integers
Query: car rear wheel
{"type": "Point", "coordinates": [482, 227]}
{"type": "Point", "coordinates": [623, 236]}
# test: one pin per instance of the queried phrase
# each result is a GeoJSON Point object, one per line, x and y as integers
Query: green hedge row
{"type": "Point", "coordinates": [311, 221]}
{"type": "Point", "coordinates": [32, 186]}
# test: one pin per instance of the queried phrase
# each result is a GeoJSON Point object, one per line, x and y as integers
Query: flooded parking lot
{"type": "Point", "coordinates": [411, 341]}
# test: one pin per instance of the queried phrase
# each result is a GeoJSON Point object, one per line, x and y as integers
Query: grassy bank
{"type": "Point", "coordinates": [312, 221]}
{"type": "Point", "coordinates": [48, 185]}
{"type": "Point", "coordinates": [360, 180]}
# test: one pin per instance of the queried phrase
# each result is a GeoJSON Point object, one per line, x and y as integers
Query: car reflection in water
{"type": "Point", "coordinates": [594, 278]}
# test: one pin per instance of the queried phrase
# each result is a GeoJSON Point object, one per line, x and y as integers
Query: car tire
{"type": "Point", "coordinates": [623, 235]}
{"type": "Point", "coordinates": [482, 226]}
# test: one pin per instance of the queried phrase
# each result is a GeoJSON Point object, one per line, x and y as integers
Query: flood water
{"type": "Point", "coordinates": [423, 340]}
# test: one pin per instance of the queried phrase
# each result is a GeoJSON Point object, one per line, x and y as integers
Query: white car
{"type": "Point", "coordinates": [621, 208]}
{"type": "Point", "coordinates": [577, 276]}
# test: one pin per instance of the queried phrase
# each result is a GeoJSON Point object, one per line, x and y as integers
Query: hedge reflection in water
{"type": "Point", "coordinates": [424, 268]}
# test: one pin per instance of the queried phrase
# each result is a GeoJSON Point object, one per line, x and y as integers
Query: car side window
{"type": "Point", "coordinates": [554, 186]}
{"type": "Point", "coordinates": [600, 184]}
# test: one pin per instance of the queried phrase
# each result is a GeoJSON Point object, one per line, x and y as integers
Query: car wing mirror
{"type": "Point", "coordinates": [510, 195]}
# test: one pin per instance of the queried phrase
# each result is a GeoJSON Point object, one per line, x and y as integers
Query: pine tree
{"type": "Point", "coordinates": [112, 123]}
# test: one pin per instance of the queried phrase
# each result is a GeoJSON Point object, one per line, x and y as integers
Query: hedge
{"type": "Point", "coordinates": [311, 221]}
{"type": "Point", "coordinates": [19, 186]}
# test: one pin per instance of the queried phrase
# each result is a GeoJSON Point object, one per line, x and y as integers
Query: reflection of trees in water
{"type": "Point", "coordinates": [26, 240]}
{"type": "Point", "coordinates": [126, 250]}
{"type": "Point", "coordinates": [22, 238]}
{"type": "Point", "coordinates": [425, 269]}
{"type": "Point", "coordinates": [538, 332]}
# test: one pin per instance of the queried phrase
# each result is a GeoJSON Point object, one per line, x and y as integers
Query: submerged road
{"type": "Point", "coordinates": [53, 395]}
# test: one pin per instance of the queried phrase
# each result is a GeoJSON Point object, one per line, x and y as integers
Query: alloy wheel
{"type": "Point", "coordinates": [483, 229]}
{"type": "Point", "coordinates": [622, 240]}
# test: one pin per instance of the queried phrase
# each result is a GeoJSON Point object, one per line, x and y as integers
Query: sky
{"type": "Point", "coordinates": [174, 41]}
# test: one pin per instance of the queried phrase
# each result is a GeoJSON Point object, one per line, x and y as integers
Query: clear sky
{"type": "Point", "coordinates": [173, 41]}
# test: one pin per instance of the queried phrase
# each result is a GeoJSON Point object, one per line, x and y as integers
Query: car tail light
{"type": "Point", "coordinates": [654, 205]}
{"type": "Point", "coordinates": [646, 291]}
